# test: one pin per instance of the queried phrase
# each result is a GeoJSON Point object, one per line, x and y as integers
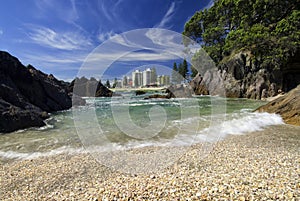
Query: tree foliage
{"type": "Point", "coordinates": [175, 74]}
{"type": "Point", "coordinates": [270, 29]}
{"type": "Point", "coordinates": [180, 73]}
{"type": "Point", "coordinates": [107, 84]}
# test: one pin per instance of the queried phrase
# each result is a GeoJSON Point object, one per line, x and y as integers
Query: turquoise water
{"type": "Point", "coordinates": [174, 122]}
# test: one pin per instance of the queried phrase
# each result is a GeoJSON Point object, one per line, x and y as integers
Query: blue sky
{"type": "Point", "coordinates": [56, 36]}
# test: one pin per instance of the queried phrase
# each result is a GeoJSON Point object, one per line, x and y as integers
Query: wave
{"type": "Point", "coordinates": [240, 125]}
{"type": "Point", "coordinates": [27, 156]}
{"type": "Point", "coordinates": [235, 124]}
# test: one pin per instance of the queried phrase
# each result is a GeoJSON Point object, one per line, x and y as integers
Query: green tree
{"type": "Point", "coordinates": [115, 83]}
{"type": "Point", "coordinates": [185, 69]}
{"type": "Point", "coordinates": [175, 74]}
{"type": "Point", "coordinates": [269, 29]}
{"type": "Point", "coordinates": [107, 84]}
{"type": "Point", "coordinates": [194, 72]}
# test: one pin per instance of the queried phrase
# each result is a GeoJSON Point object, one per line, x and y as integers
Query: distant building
{"type": "Point", "coordinates": [126, 82]}
{"type": "Point", "coordinates": [146, 77]}
{"type": "Point", "coordinates": [163, 80]}
{"type": "Point", "coordinates": [119, 84]}
{"type": "Point", "coordinates": [137, 78]}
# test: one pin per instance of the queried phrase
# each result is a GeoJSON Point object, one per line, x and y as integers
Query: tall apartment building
{"type": "Point", "coordinates": [147, 77]}
{"type": "Point", "coordinates": [137, 78]}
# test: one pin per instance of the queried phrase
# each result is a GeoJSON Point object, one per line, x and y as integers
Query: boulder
{"type": "Point", "coordinates": [198, 86]}
{"type": "Point", "coordinates": [14, 118]}
{"type": "Point", "coordinates": [27, 95]}
{"type": "Point", "coordinates": [288, 106]}
{"type": "Point", "coordinates": [157, 96]}
{"type": "Point", "coordinates": [179, 91]}
{"type": "Point", "coordinates": [84, 87]}
{"type": "Point", "coordinates": [174, 91]}
{"type": "Point", "coordinates": [140, 92]}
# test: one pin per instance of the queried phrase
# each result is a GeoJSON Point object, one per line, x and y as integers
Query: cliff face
{"type": "Point", "coordinates": [239, 77]}
{"type": "Point", "coordinates": [27, 95]}
{"type": "Point", "coordinates": [288, 106]}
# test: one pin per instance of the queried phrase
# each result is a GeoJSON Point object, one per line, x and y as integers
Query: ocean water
{"type": "Point", "coordinates": [129, 121]}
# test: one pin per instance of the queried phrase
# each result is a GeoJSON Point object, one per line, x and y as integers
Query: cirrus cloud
{"type": "Point", "coordinates": [59, 40]}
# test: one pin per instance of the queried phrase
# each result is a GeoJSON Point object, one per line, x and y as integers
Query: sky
{"type": "Point", "coordinates": [59, 36]}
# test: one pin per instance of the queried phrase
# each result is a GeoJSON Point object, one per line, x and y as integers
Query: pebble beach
{"type": "Point", "coordinates": [263, 165]}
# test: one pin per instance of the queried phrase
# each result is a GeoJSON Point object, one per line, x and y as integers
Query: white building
{"type": "Point", "coordinates": [137, 78]}
{"type": "Point", "coordinates": [147, 77]}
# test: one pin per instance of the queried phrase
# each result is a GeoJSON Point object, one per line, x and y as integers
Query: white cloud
{"type": "Point", "coordinates": [64, 41]}
{"type": "Point", "coordinates": [105, 12]}
{"type": "Point", "coordinates": [167, 17]}
{"type": "Point", "coordinates": [105, 36]}
{"type": "Point", "coordinates": [165, 38]}
{"type": "Point", "coordinates": [57, 59]}
{"type": "Point", "coordinates": [65, 10]}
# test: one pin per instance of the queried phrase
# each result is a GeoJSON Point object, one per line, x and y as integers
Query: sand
{"type": "Point", "coordinates": [262, 165]}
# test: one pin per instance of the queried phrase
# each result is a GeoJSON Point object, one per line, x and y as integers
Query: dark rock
{"type": "Point", "coordinates": [291, 73]}
{"type": "Point", "coordinates": [77, 100]}
{"type": "Point", "coordinates": [84, 87]}
{"type": "Point", "coordinates": [157, 96]}
{"type": "Point", "coordinates": [103, 91]}
{"type": "Point", "coordinates": [14, 118]}
{"type": "Point", "coordinates": [174, 91]}
{"type": "Point", "coordinates": [139, 92]}
{"type": "Point", "coordinates": [27, 95]}
{"type": "Point", "coordinates": [288, 106]}
{"type": "Point", "coordinates": [216, 83]}
{"type": "Point", "coordinates": [198, 86]}
{"type": "Point", "coordinates": [179, 91]}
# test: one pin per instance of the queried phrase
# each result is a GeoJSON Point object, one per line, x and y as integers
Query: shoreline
{"type": "Point", "coordinates": [262, 164]}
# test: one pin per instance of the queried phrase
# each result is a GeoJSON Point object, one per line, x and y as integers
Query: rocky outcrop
{"type": "Point", "coordinates": [157, 96]}
{"type": "Point", "coordinates": [84, 87]}
{"type": "Point", "coordinates": [238, 77]}
{"type": "Point", "coordinates": [198, 86]}
{"type": "Point", "coordinates": [140, 92]}
{"type": "Point", "coordinates": [174, 91]}
{"type": "Point", "coordinates": [179, 91]}
{"type": "Point", "coordinates": [288, 106]}
{"type": "Point", "coordinates": [27, 95]}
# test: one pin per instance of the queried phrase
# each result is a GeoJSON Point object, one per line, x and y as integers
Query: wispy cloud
{"type": "Point", "coordinates": [64, 40]}
{"type": "Point", "coordinates": [1, 32]}
{"type": "Point", "coordinates": [105, 10]}
{"type": "Point", "coordinates": [64, 10]}
{"type": "Point", "coordinates": [167, 17]}
{"type": "Point", "coordinates": [133, 56]}
{"type": "Point", "coordinates": [105, 36]}
{"type": "Point", "coordinates": [56, 59]}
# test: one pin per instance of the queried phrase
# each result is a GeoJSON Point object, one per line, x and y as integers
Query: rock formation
{"type": "Point", "coordinates": [179, 91]}
{"type": "Point", "coordinates": [288, 106]}
{"type": "Point", "coordinates": [238, 77]}
{"type": "Point", "coordinates": [84, 87]}
{"type": "Point", "coordinates": [27, 95]}
{"type": "Point", "coordinates": [174, 91]}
